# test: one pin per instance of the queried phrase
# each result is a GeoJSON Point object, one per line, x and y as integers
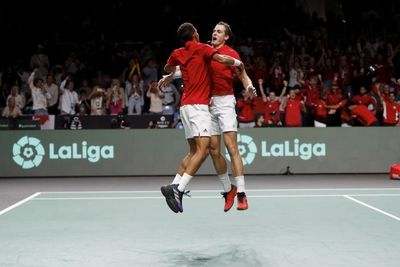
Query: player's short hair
{"type": "Point", "coordinates": [186, 31]}
{"type": "Point", "coordinates": [228, 30]}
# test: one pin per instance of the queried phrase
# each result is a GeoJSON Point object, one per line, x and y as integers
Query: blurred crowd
{"type": "Point", "coordinates": [308, 73]}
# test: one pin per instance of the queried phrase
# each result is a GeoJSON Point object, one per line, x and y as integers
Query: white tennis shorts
{"type": "Point", "coordinates": [223, 114]}
{"type": "Point", "coordinates": [196, 120]}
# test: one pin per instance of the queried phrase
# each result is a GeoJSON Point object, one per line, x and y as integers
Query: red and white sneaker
{"type": "Point", "coordinates": [229, 198]}
{"type": "Point", "coordinates": [242, 201]}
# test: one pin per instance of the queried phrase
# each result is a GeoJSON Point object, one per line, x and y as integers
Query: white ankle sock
{"type": "Point", "coordinates": [177, 179]}
{"type": "Point", "coordinates": [184, 182]}
{"type": "Point", "coordinates": [240, 183]}
{"type": "Point", "coordinates": [226, 183]}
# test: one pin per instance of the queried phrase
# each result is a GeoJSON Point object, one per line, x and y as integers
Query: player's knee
{"type": "Point", "coordinates": [232, 150]}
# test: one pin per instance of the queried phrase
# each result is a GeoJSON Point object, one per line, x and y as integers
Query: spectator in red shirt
{"type": "Point", "coordinates": [363, 98]}
{"type": "Point", "coordinates": [320, 112]}
{"type": "Point", "coordinates": [245, 105]}
{"type": "Point", "coordinates": [334, 104]}
{"type": "Point", "coordinates": [272, 103]}
{"type": "Point", "coordinates": [391, 110]}
{"type": "Point", "coordinates": [293, 110]}
{"type": "Point", "coordinates": [193, 61]}
{"type": "Point", "coordinates": [363, 115]}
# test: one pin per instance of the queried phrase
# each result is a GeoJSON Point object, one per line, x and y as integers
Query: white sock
{"type": "Point", "coordinates": [177, 179]}
{"type": "Point", "coordinates": [184, 182]}
{"type": "Point", "coordinates": [226, 183]}
{"type": "Point", "coordinates": [240, 183]}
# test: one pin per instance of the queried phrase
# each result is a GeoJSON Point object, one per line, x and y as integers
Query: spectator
{"type": "Point", "coordinates": [98, 100]}
{"type": "Point", "coordinates": [40, 96]}
{"type": "Point", "coordinates": [363, 115]}
{"type": "Point", "coordinates": [19, 98]}
{"type": "Point", "coordinates": [293, 110]}
{"type": "Point", "coordinates": [69, 98]}
{"type": "Point", "coordinates": [134, 95]}
{"type": "Point", "coordinates": [54, 92]}
{"type": "Point", "coordinates": [245, 105]}
{"type": "Point", "coordinates": [11, 110]}
{"type": "Point", "coordinates": [171, 98]}
{"type": "Point", "coordinates": [40, 62]}
{"type": "Point", "coordinates": [156, 97]}
{"type": "Point", "coordinates": [260, 121]}
{"type": "Point", "coordinates": [115, 98]}
{"type": "Point", "coordinates": [272, 114]}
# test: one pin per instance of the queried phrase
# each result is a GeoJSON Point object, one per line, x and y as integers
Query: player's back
{"type": "Point", "coordinates": [194, 60]}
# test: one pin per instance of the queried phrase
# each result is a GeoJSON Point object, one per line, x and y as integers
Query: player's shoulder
{"type": "Point", "coordinates": [227, 50]}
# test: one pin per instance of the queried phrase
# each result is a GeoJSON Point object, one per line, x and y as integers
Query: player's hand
{"type": "Point", "coordinates": [252, 89]}
{"type": "Point", "coordinates": [165, 81]}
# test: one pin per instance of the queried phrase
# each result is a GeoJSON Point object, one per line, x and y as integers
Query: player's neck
{"type": "Point", "coordinates": [219, 46]}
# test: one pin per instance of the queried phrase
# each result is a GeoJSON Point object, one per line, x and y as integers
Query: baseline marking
{"type": "Point", "coordinates": [372, 207]}
{"type": "Point", "coordinates": [213, 197]}
{"type": "Point", "coordinates": [19, 203]}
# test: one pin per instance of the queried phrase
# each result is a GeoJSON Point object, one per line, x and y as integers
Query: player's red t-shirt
{"type": "Point", "coordinates": [194, 61]}
{"type": "Point", "coordinates": [363, 115]}
{"type": "Point", "coordinates": [222, 75]}
{"type": "Point", "coordinates": [293, 112]}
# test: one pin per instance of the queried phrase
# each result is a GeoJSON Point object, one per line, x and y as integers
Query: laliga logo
{"type": "Point", "coordinates": [28, 152]}
{"type": "Point", "coordinates": [247, 149]}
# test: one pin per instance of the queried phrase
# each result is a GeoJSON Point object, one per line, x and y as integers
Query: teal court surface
{"type": "Point", "coordinates": [355, 227]}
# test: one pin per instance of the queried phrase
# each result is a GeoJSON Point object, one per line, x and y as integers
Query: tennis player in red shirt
{"type": "Point", "coordinates": [224, 118]}
{"type": "Point", "coordinates": [194, 61]}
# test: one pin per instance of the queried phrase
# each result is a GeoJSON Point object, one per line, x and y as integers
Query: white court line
{"type": "Point", "coordinates": [209, 197]}
{"type": "Point", "coordinates": [372, 207]}
{"type": "Point", "coordinates": [247, 190]}
{"type": "Point", "coordinates": [19, 203]}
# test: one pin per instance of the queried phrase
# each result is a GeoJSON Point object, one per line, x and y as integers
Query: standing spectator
{"type": "Point", "coordinates": [134, 95]}
{"type": "Point", "coordinates": [272, 114]}
{"type": "Point", "coordinates": [150, 72]}
{"type": "Point", "coordinates": [245, 105]}
{"type": "Point", "coordinates": [171, 98]}
{"type": "Point", "coordinates": [53, 90]}
{"type": "Point", "coordinates": [98, 101]}
{"type": "Point", "coordinates": [39, 94]}
{"type": "Point", "coordinates": [69, 98]}
{"type": "Point", "coordinates": [293, 110]}
{"type": "Point", "coordinates": [156, 97]}
{"type": "Point", "coordinates": [40, 62]}
{"type": "Point", "coordinates": [363, 98]}
{"type": "Point", "coordinates": [391, 110]}
{"type": "Point", "coordinates": [115, 98]}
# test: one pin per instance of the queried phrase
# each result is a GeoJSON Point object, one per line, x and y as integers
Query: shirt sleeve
{"type": "Point", "coordinates": [209, 51]}
{"type": "Point", "coordinates": [172, 60]}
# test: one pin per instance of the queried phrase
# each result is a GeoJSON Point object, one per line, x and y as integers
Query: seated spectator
{"type": "Point", "coordinates": [11, 110]}
{"type": "Point", "coordinates": [260, 121]}
{"type": "Point", "coordinates": [19, 98]}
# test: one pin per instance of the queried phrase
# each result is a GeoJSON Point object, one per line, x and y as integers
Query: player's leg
{"type": "Point", "coordinates": [230, 140]}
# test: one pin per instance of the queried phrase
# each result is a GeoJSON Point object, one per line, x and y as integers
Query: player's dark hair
{"type": "Point", "coordinates": [186, 31]}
